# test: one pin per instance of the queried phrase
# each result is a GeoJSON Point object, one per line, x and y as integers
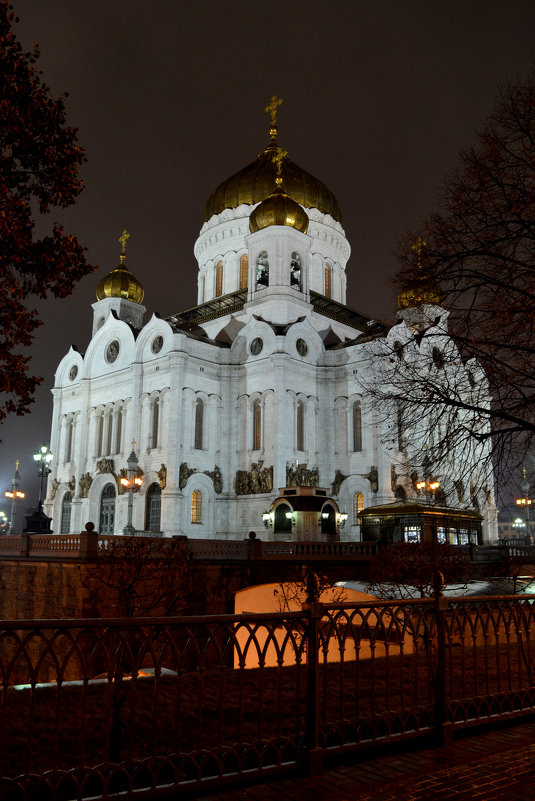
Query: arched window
{"type": "Point", "coordinates": [68, 442]}
{"type": "Point", "coordinates": [257, 425]}
{"type": "Point", "coordinates": [358, 506]}
{"type": "Point", "coordinates": [107, 510]}
{"type": "Point", "coordinates": [199, 419]}
{"type": "Point", "coordinates": [300, 425]}
{"type": "Point", "coordinates": [109, 431]}
{"type": "Point", "coordinates": [244, 271]}
{"type": "Point", "coordinates": [438, 358]}
{"type": "Point", "coordinates": [262, 270]}
{"type": "Point", "coordinates": [357, 426]}
{"type": "Point", "coordinates": [66, 506]}
{"type": "Point", "coordinates": [118, 429]}
{"type": "Point", "coordinates": [295, 271]}
{"type": "Point", "coordinates": [282, 523]}
{"type": "Point", "coordinates": [153, 511]}
{"type": "Point", "coordinates": [328, 281]}
{"type": "Point", "coordinates": [155, 423]}
{"type": "Point", "coordinates": [196, 506]}
{"type": "Point", "coordinates": [219, 279]}
{"type": "Point", "coordinates": [100, 434]}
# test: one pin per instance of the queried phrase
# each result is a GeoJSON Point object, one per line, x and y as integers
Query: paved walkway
{"type": "Point", "coordinates": [493, 766]}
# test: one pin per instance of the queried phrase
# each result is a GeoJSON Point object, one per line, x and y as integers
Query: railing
{"type": "Point", "coordinates": [91, 544]}
{"type": "Point", "coordinates": [144, 708]}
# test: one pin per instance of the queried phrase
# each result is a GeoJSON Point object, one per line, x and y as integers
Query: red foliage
{"type": "Point", "coordinates": [39, 161]}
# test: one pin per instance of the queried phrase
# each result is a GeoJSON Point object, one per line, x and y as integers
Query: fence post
{"type": "Point", "coordinates": [89, 541]}
{"type": "Point", "coordinates": [445, 727]}
{"type": "Point", "coordinates": [314, 612]}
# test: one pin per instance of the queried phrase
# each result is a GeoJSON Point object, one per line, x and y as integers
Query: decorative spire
{"type": "Point", "coordinates": [125, 236]}
{"type": "Point", "coordinates": [271, 109]}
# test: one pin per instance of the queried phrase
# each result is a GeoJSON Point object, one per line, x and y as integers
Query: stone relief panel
{"type": "Point", "coordinates": [255, 481]}
{"type": "Point", "coordinates": [301, 476]}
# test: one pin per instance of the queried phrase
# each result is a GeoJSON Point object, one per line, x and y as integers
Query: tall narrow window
{"type": "Point", "coordinates": [401, 433]}
{"type": "Point", "coordinates": [155, 421]}
{"type": "Point", "coordinates": [118, 429]}
{"type": "Point", "coordinates": [199, 419]}
{"type": "Point", "coordinates": [68, 443]}
{"type": "Point", "coordinates": [203, 284]}
{"type": "Point", "coordinates": [358, 506]}
{"type": "Point", "coordinates": [100, 433]}
{"type": "Point", "coordinates": [154, 508]}
{"type": "Point", "coordinates": [300, 425]}
{"type": "Point", "coordinates": [219, 279]}
{"type": "Point", "coordinates": [328, 281]}
{"type": "Point", "coordinates": [262, 270]}
{"type": "Point", "coordinates": [196, 506]}
{"type": "Point", "coordinates": [295, 271]}
{"type": "Point", "coordinates": [357, 427]}
{"type": "Point", "coordinates": [257, 425]}
{"type": "Point", "coordinates": [109, 431]}
{"type": "Point", "coordinates": [66, 506]}
{"type": "Point", "coordinates": [244, 271]}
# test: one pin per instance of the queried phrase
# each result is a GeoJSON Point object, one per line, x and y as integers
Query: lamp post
{"type": "Point", "coordinates": [525, 502]}
{"type": "Point", "coordinates": [132, 483]}
{"type": "Point", "coordinates": [16, 495]}
{"type": "Point", "coordinates": [430, 487]}
{"type": "Point", "coordinates": [42, 458]}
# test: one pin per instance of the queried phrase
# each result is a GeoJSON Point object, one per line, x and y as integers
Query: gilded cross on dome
{"type": "Point", "coordinates": [277, 159]}
{"type": "Point", "coordinates": [133, 445]}
{"type": "Point", "coordinates": [272, 107]}
{"type": "Point", "coordinates": [125, 236]}
{"type": "Point", "coordinates": [418, 248]}
{"type": "Point", "coordinates": [17, 465]}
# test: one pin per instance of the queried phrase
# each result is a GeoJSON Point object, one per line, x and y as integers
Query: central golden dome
{"type": "Point", "coordinates": [255, 182]}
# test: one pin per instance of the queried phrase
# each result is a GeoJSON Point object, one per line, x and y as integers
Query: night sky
{"type": "Point", "coordinates": [169, 95]}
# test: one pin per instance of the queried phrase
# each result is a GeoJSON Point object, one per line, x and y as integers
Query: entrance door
{"type": "Point", "coordinates": [107, 510]}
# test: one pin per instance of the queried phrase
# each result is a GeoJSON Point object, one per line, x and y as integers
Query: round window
{"type": "Point", "coordinates": [73, 372]}
{"type": "Point", "coordinates": [112, 351]}
{"type": "Point", "coordinates": [256, 346]}
{"type": "Point", "coordinates": [157, 344]}
{"type": "Point", "coordinates": [302, 347]}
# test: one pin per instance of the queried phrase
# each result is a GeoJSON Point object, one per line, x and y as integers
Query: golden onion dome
{"type": "Point", "coordinates": [120, 283]}
{"type": "Point", "coordinates": [255, 182]}
{"type": "Point", "coordinates": [278, 209]}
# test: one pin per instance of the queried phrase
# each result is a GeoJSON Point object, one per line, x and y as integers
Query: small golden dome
{"type": "Point", "coordinates": [421, 293]}
{"type": "Point", "coordinates": [278, 209]}
{"type": "Point", "coordinates": [254, 183]}
{"type": "Point", "coordinates": [120, 283]}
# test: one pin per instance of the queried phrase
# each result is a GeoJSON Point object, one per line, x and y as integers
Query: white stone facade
{"type": "Point", "coordinates": [274, 382]}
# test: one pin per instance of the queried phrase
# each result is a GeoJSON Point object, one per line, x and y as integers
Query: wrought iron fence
{"type": "Point", "coordinates": [139, 708]}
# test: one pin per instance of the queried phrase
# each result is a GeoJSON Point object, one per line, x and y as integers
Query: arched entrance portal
{"type": "Point", "coordinates": [328, 520]}
{"type": "Point", "coordinates": [281, 523]}
{"type": "Point", "coordinates": [107, 510]}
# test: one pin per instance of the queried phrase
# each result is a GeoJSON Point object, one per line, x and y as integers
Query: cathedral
{"type": "Point", "coordinates": [249, 411]}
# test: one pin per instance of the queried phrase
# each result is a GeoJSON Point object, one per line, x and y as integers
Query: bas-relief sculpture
{"type": "Point", "coordinates": [255, 481]}
{"type": "Point", "coordinates": [301, 476]}
{"type": "Point", "coordinates": [185, 472]}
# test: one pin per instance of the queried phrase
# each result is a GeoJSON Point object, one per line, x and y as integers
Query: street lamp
{"type": "Point", "coordinates": [525, 501]}
{"type": "Point", "coordinates": [429, 486]}
{"type": "Point", "coordinates": [15, 495]}
{"type": "Point", "coordinates": [42, 458]}
{"type": "Point", "coordinates": [132, 483]}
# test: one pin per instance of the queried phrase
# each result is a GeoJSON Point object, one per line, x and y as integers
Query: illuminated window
{"type": "Point", "coordinates": [328, 281]}
{"type": "Point", "coordinates": [66, 506]}
{"type": "Point", "coordinates": [199, 417]}
{"type": "Point", "coordinates": [357, 427]}
{"type": "Point", "coordinates": [155, 422]}
{"type": "Point", "coordinates": [300, 426]}
{"type": "Point", "coordinates": [219, 279]}
{"type": "Point", "coordinates": [196, 506]}
{"type": "Point", "coordinates": [358, 506]}
{"type": "Point", "coordinates": [257, 425]}
{"type": "Point", "coordinates": [244, 271]}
